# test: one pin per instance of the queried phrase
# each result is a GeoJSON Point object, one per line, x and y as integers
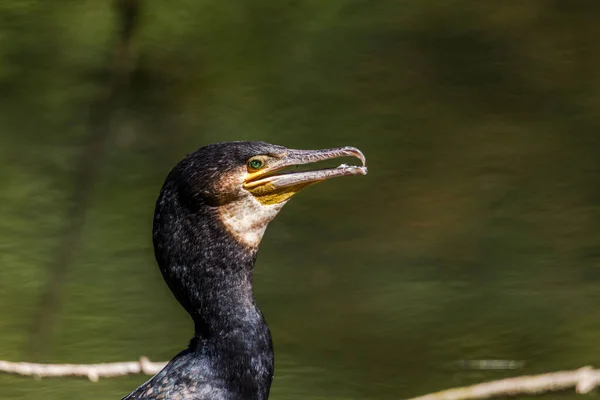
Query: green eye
{"type": "Point", "coordinates": [255, 164]}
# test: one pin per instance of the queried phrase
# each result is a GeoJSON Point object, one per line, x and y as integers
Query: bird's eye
{"type": "Point", "coordinates": [255, 163]}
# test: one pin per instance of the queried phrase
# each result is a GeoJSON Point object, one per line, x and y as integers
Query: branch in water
{"type": "Point", "coordinates": [584, 380]}
{"type": "Point", "coordinates": [92, 371]}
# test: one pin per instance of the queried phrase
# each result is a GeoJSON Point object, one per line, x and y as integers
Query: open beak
{"type": "Point", "coordinates": [272, 185]}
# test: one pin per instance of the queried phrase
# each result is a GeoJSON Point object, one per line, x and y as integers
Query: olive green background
{"type": "Point", "coordinates": [474, 236]}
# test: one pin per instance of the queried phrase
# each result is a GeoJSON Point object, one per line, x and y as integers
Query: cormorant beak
{"type": "Point", "coordinates": [271, 185]}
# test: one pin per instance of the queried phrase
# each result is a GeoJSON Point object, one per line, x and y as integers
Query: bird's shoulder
{"type": "Point", "coordinates": [184, 378]}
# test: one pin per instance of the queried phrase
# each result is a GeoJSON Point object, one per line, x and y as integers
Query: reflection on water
{"type": "Point", "coordinates": [474, 236]}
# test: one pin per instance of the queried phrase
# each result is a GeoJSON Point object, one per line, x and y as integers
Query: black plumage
{"type": "Point", "coordinates": [209, 269]}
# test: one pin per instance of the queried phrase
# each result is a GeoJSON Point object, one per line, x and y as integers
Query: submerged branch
{"type": "Point", "coordinates": [584, 380]}
{"type": "Point", "coordinates": [91, 371]}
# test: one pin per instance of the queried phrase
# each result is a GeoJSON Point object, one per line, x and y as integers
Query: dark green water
{"type": "Point", "coordinates": [474, 236]}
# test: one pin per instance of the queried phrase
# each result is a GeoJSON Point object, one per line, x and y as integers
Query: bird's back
{"type": "Point", "coordinates": [186, 377]}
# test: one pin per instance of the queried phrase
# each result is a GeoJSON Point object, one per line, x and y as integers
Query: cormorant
{"type": "Point", "coordinates": [209, 219]}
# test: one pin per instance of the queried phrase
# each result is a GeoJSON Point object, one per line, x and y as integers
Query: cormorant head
{"type": "Point", "coordinates": [247, 183]}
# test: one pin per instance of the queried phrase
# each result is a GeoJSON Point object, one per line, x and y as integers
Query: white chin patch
{"type": "Point", "coordinates": [247, 219]}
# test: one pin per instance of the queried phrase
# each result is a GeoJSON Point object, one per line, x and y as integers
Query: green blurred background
{"type": "Point", "coordinates": [474, 236]}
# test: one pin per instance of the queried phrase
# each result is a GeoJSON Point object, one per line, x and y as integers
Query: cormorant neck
{"type": "Point", "coordinates": [220, 299]}
{"type": "Point", "coordinates": [210, 274]}
{"type": "Point", "coordinates": [208, 270]}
